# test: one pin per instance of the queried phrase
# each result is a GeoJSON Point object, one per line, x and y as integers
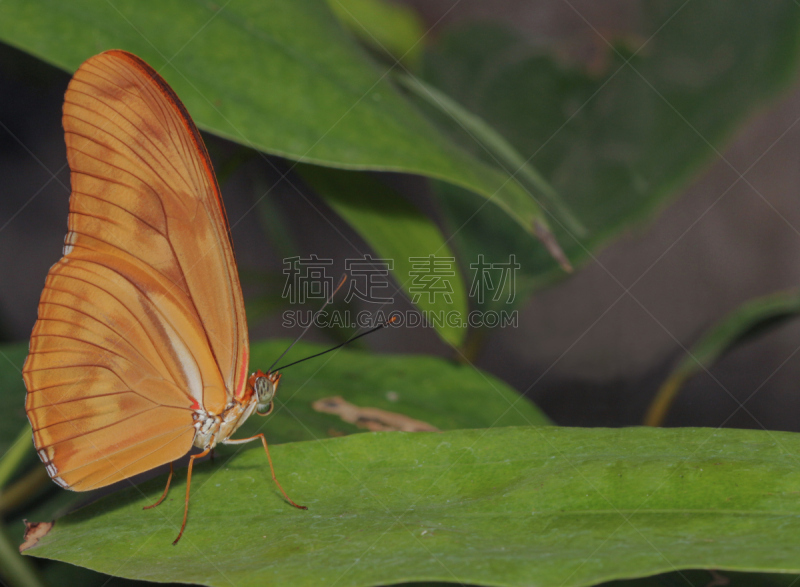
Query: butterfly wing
{"type": "Point", "coordinates": [142, 320]}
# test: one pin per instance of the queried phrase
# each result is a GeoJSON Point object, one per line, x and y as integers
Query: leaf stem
{"type": "Point", "coordinates": [15, 455]}
{"type": "Point", "coordinates": [23, 489]}
{"type": "Point", "coordinates": [659, 407]}
{"type": "Point", "coordinates": [16, 571]}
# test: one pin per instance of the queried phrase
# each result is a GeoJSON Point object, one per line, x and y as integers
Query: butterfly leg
{"type": "Point", "coordinates": [269, 458]}
{"type": "Point", "coordinates": [188, 485]}
{"type": "Point", "coordinates": [163, 495]}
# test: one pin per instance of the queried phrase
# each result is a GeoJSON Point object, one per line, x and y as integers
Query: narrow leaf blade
{"type": "Point", "coordinates": [399, 232]}
{"type": "Point", "coordinates": [750, 318]}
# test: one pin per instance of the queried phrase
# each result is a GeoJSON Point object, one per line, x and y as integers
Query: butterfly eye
{"type": "Point", "coordinates": [265, 391]}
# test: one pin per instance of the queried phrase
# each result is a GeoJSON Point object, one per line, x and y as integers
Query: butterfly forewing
{"type": "Point", "coordinates": [142, 321]}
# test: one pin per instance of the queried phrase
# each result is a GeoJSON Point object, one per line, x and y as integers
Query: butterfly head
{"type": "Point", "coordinates": [264, 386]}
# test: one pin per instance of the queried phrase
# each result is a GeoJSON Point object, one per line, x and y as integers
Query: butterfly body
{"type": "Point", "coordinates": [212, 429]}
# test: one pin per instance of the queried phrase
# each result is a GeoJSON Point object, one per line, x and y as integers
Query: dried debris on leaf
{"type": "Point", "coordinates": [33, 532]}
{"type": "Point", "coordinates": [373, 419]}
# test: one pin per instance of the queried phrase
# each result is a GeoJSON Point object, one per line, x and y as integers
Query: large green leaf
{"type": "Point", "coordinates": [445, 394]}
{"type": "Point", "coordinates": [509, 506]}
{"type": "Point", "coordinates": [617, 140]}
{"type": "Point", "coordinates": [743, 323]}
{"type": "Point", "coordinates": [397, 231]}
{"type": "Point", "coordinates": [393, 30]}
{"type": "Point", "coordinates": [282, 77]}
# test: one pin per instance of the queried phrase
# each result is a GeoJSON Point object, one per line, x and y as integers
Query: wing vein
{"type": "Point", "coordinates": [83, 399]}
{"type": "Point", "coordinates": [115, 423]}
{"type": "Point", "coordinates": [163, 156]}
{"type": "Point", "coordinates": [47, 303]}
{"type": "Point", "coordinates": [106, 455]}
{"type": "Point", "coordinates": [112, 203]}
{"type": "Point", "coordinates": [166, 184]}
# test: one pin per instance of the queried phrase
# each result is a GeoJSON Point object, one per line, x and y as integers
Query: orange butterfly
{"type": "Point", "coordinates": [140, 351]}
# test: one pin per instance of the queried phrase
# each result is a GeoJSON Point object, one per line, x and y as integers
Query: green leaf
{"type": "Point", "coordinates": [748, 320]}
{"type": "Point", "coordinates": [281, 77]}
{"type": "Point", "coordinates": [385, 26]}
{"type": "Point", "coordinates": [617, 140]}
{"type": "Point", "coordinates": [395, 230]}
{"type": "Point", "coordinates": [497, 148]}
{"type": "Point", "coordinates": [12, 393]}
{"type": "Point", "coordinates": [444, 394]}
{"type": "Point", "coordinates": [13, 458]}
{"type": "Point", "coordinates": [542, 506]}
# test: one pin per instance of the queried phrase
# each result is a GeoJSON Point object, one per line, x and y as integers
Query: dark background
{"type": "Point", "coordinates": [590, 351]}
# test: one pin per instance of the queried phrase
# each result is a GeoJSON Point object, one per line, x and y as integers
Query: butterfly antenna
{"type": "Point", "coordinates": [341, 344]}
{"type": "Point", "coordinates": [310, 324]}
